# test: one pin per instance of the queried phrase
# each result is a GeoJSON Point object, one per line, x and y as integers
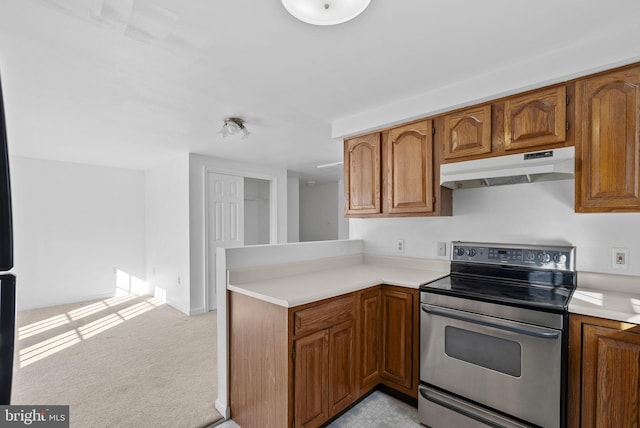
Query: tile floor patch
{"type": "Point", "coordinates": [378, 410]}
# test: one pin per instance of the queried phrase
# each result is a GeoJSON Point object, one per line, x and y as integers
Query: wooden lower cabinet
{"type": "Point", "coordinates": [604, 373]}
{"type": "Point", "coordinates": [260, 370]}
{"type": "Point", "coordinates": [311, 376]}
{"type": "Point", "coordinates": [342, 377]}
{"type": "Point", "coordinates": [299, 367]}
{"type": "Point", "coordinates": [369, 339]}
{"type": "Point", "coordinates": [324, 374]}
{"type": "Point", "coordinates": [399, 363]}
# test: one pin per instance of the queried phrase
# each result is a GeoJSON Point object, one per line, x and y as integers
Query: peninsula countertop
{"type": "Point", "coordinates": [290, 290]}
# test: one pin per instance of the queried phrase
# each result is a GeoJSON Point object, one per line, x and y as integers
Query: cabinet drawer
{"type": "Point", "coordinates": [323, 315]}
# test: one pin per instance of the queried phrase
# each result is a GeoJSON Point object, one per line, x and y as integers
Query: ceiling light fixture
{"type": "Point", "coordinates": [233, 126]}
{"type": "Point", "coordinates": [325, 12]}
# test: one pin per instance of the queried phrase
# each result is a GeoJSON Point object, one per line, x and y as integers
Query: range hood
{"type": "Point", "coordinates": [545, 165]}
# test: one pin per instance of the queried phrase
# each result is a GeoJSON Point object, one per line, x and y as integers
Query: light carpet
{"type": "Point", "coordinates": [127, 361]}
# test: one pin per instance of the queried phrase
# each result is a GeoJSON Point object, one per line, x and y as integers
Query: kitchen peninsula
{"type": "Point", "coordinates": [349, 322]}
{"type": "Point", "coordinates": [302, 306]}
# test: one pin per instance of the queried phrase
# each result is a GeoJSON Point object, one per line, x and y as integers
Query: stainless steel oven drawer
{"type": "Point", "coordinates": [500, 364]}
{"type": "Point", "coordinates": [438, 410]}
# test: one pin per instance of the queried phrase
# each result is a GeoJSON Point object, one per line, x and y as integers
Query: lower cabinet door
{"type": "Point", "coordinates": [341, 366]}
{"type": "Point", "coordinates": [610, 377]}
{"type": "Point", "coordinates": [311, 375]}
{"type": "Point", "coordinates": [397, 337]}
{"type": "Point", "coordinates": [368, 361]}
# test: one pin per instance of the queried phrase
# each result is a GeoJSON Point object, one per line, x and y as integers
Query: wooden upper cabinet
{"type": "Point", "coordinates": [608, 142]}
{"type": "Point", "coordinates": [362, 175]}
{"type": "Point", "coordinates": [409, 171]}
{"type": "Point", "coordinates": [467, 132]}
{"type": "Point", "coordinates": [535, 119]}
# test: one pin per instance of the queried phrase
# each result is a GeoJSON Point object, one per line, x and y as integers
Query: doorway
{"type": "Point", "coordinates": [256, 211]}
{"type": "Point", "coordinates": [239, 211]}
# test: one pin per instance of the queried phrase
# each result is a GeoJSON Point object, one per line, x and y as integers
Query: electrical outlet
{"type": "Point", "coordinates": [400, 245]}
{"type": "Point", "coordinates": [442, 249]}
{"type": "Point", "coordinates": [620, 258]}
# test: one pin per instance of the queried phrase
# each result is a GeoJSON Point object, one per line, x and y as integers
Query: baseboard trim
{"type": "Point", "coordinates": [224, 410]}
{"type": "Point", "coordinates": [198, 311]}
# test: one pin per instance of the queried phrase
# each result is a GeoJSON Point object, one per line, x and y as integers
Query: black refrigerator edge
{"type": "Point", "coordinates": [7, 280]}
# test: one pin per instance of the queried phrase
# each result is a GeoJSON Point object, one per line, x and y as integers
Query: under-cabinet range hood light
{"type": "Point", "coordinates": [545, 165]}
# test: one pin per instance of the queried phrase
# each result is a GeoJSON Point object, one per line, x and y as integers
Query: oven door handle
{"type": "Point", "coordinates": [471, 319]}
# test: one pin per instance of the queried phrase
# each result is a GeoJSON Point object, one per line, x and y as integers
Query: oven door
{"type": "Point", "coordinates": [509, 366]}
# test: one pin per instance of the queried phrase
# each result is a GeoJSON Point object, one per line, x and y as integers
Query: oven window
{"type": "Point", "coordinates": [491, 352]}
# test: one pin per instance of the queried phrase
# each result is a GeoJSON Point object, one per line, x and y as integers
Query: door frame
{"type": "Point", "coordinates": [273, 215]}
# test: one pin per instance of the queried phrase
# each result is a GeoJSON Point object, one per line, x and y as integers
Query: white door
{"type": "Point", "coordinates": [225, 222]}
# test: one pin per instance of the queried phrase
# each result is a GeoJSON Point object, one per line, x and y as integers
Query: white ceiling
{"type": "Point", "coordinates": [132, 83]}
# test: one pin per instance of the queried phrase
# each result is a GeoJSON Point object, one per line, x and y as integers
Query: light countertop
{"type": "Point", "coordinates": [294, 290]}
{"type": "Point", "coordinates": [615, 297]}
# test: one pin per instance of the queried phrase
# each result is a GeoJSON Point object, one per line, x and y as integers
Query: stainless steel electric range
{"type": "Point", "coordinates": [493, 337]}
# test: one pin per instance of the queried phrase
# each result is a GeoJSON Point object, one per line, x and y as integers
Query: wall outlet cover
{"type": "Point", "coordinates": [442, 249]}
{"type": "Point", "coordinates": [620, 258]}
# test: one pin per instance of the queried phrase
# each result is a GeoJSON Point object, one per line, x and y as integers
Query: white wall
{"type": "Point", "coordinates": [74, 225]}
{"type": "Point", "coordinates": [256, 211]}
{"type": "Point", "coordinates": [167, 226]}
{"type": "Point", "coordinates": [319, 211]}
{"type": "Point", "coordinates": [343, 222]}
{"type": "Point", "coordinates": [293, 208]}
{"type": "Point", "coordinates": [523, 213]}
{"type": "Point", "coordinates": [198, 167]}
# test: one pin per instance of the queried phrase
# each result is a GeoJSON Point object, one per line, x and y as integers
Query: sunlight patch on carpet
{"type": "Point", "coordinates": [52, 345]}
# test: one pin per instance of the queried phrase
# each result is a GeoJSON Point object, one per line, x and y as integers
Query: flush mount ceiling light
{"type": "Point", "coordinates": [233, 126]}
{"type": "Point", "coordinates": [325, 12]}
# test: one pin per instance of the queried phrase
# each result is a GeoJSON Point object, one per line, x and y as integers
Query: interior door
{"type": "Point", "coordinates": [225, 222]}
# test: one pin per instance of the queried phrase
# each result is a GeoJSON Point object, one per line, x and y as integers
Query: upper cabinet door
{"type": "Point", "coordinates": [608, 142]}
{"type": "Point", "coordinates": [535, 119]}
{"type": "Point", "coordinates": [467, 132]}
{"type": "Point", "coordinates": [362, 175]}
{"type": "Point", "coordinates": [409, 169]}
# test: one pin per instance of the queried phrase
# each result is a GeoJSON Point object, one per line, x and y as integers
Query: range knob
{"type": "Point", "coordinates": [471, 252]}
{"type": "Point", "coordinates": [544, 258]}
{"type": "Point", "coordinates": [460, 251]}
{"type": "Point", "coordinates": [559, 258]}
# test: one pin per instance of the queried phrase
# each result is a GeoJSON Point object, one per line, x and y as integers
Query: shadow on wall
{"type": "Point", "coordinates": [320, 211]}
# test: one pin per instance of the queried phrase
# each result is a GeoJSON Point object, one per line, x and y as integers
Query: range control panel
{"type": "Point", "coordinates": [540, 256]}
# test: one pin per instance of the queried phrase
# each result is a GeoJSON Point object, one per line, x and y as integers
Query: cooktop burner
{"type": "Point", "coordinates": [512, 293]}
{"type": "Point", "coordinates": [541, 277]}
